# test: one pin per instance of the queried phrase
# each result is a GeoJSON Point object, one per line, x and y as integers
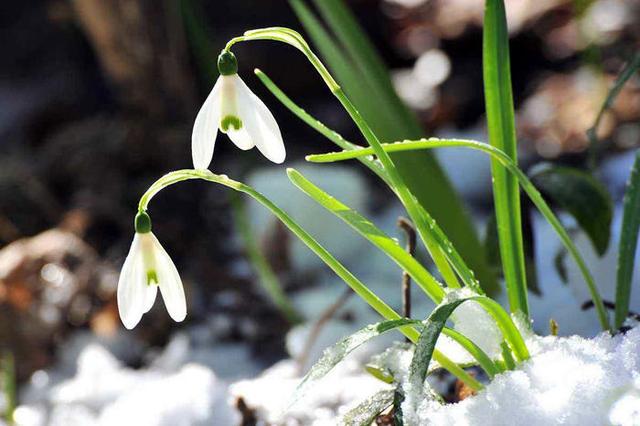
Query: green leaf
{"type": "Point", "coordinates": [502, 135]}
{"type": "Point", "coordinates": [318, 126]}
{"type": "Point", "coordinates": [379, 373]}
{"type": "Point", "coordinates": [491, 244]}
{"type": "Point", "coordinates": [581, 195]}
{"type": "Point", "coordinates": [367, 411]}
{"type": "Point", "coordinates": [628, 71]}
{"type": "Point", "coordinates": [427, 342]}
{"type": "Point", "coordinates": [628, 243]}
{"type": "Point", "coordinates": [334, 355]}
{"type": "Point", "coordinates": [372, 233]}
{"type": "Point", "coordinates": [367, 63]}
{"type": "Point", "coordinates": [391, 120]}
{"type": "Point", "coordinates": [524, 181]}
{"type": "Point", "coordinates": [439, 246]}
{"type": "Point", "coordinates": [476, 352]}
{"type": "Point", "coordinates": [435, 324]}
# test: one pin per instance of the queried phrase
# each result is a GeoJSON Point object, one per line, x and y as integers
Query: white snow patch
{"type": "Point", "coordinates": [342, 389]}
{"type": "Point", "coordinates": [569, 381]}
{"type": "Point", "coordinates": [104, 392]}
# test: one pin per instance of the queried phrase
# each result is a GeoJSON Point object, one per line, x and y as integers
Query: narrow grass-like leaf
{"type": "Point", "coordinates": [354, 283]}
{"type": "Point", "coordinates": [502, 135]}
{"type": "Point", "coordinates": [509, 362]}
{"type": "Point", "coordinates": [360, 92]}
{"type": "Point", "coordinates": [420, 217]}
{"type": "Point", "coordinates": [372, 233]}
{"type": "Point", "coordinates": [266, 276]}
{"type": "Point", "coordinates": [367, 63]}
{"type": "Point", "coordinates": [435, 324]}
{"type": "Point", "coordinates": [524, 181]}
{"type": "Point", "coordinates": [438, 197]}
{"type": "Point", "coordinates": [199, 40]}
{"type": "Point", "coordinates": [427, 343]}
{"type": "Point", "coordinates": [440, 252]}
{"type": "Point", "coordinates": [335, 354]}
{"type": "Point", "coordinates": [474, 350]}
{"type": "Point", "coordinates": [318, 126]}
{"type": "Point", "coordinates": [628, 243]}
{"type": "Point", "coordinates": [366, 412]}
{"type": "Point", "coordinates": [629, 70]}
{"type": "Point", "coordinates": [581, 195]}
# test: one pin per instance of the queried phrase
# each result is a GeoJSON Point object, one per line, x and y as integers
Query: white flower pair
{"type": "Point", "coordinates": [236, 111]}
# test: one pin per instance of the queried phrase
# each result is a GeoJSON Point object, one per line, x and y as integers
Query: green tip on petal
{"type": "Point", "coordinates": [152, 277]}
{"type": "Point", "coordinates": [142, 223]}
{"type": "Point", "coordinates": [227, 63]}
{"type": "Point", "coordinates": [230, 121]}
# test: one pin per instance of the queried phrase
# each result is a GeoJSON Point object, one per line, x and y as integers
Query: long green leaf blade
{"type": "Point", "coordinates": [629, 70]}
{"type": "Point", "coordinates": [524, 182]}
{"type": "Point", "coordinates": [438, 197]}
{"type": "Point", "coordinates": [335, 354]}
{"type": "Point", "coordinates": [438, 251]}
{"type": "Point", "coordinates": [369, 65]}
{"type": "Point", "coordinates": [628, 243]}
{"type": "Point", "coordinates": [367, 411]}
{"type": "Point", "coordinates": [502, 135]}
{"type": "Point", "coordinates": [372, 233]}
{"type": "Point", "coordinates": [434, 325]}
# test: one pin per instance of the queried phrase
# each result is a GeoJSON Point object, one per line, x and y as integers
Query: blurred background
{"type": "Point", "coordinates": [97, 100]}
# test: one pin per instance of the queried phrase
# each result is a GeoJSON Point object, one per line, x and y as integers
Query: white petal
{"type": "Point", "coordinates": [260, 123]}
{"type": "Point", "coordinates": [150, 293]}
{"type": "Point", "coordinates": [131, 286]}
{"type": "Point", "coordinates": [205, 129]}
{"type": "Point", "coordinates": [170, 284]}
{"type": "Point", "coordinates": [241, 138]}
{"type": "Point", "coordinates": [229, 106]}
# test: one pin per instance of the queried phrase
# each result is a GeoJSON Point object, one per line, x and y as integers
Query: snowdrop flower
{"type": "Point", "coordinates": [234, 109]}
{"type": "Point", "coordinates": [147, 267]}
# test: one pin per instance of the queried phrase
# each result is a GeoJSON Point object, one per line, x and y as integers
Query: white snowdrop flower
{"type": "Point", "coordinates": [234, 109]}
{"type": "Point", "coordinates": [147, 267]}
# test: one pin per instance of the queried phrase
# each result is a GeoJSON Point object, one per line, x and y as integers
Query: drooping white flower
{"type": "Point", "coordinates": [147, 268]}
{"type": "Point", "coordinates": [234, 109]}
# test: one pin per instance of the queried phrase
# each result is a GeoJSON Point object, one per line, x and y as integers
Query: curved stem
{"type": "Point", "coordinates": [356, 285]}
{"type": "Point", "coordinates": [524, 181]}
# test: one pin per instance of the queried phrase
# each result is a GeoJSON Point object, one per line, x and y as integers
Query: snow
{"type": "Point", "coordinates": [105, 392]}
{"type": "Point", "coordinates": [340, 390]}
{"type": "Point", "coordinates": [569, 381]}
